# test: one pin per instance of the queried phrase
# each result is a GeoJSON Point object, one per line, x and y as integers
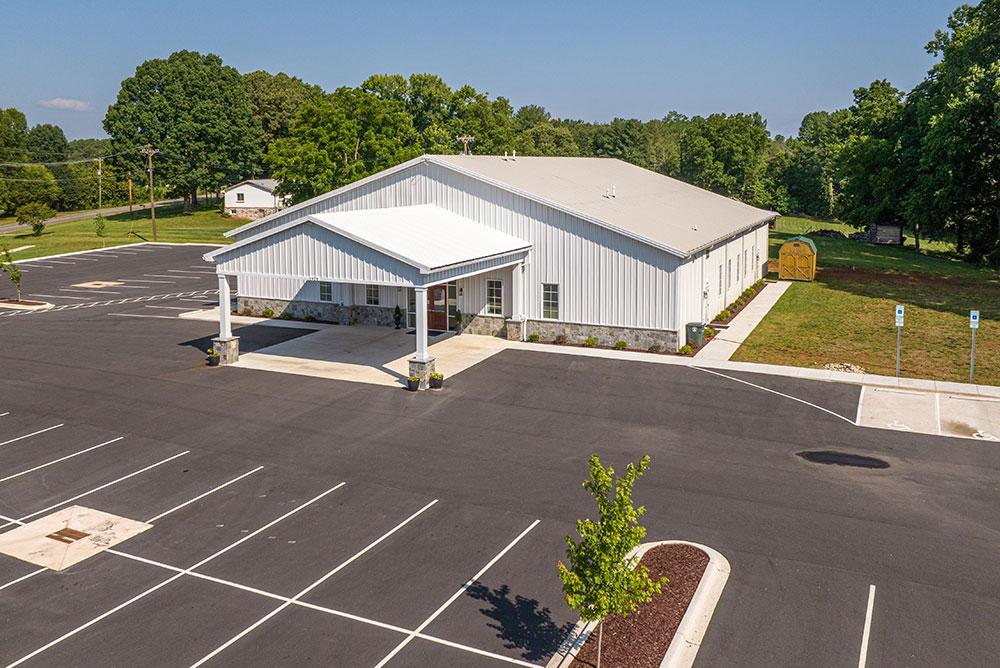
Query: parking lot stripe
{"type": "Point", "coordinates": [34, 433]}
{"type": "Point", "coordinates": [91, 292]}
{"type": "Point", "coordinates": [170, 308]}
{"type": "Point", "coordinates": [454, 597]}
{"type": "Point", "coordinates": [61, 459]}
{"type": "Point", "coordinates": [868, 627]}
{"type": "Point", "coordinates": [140, 280]}
{"type": "Point", "coordinates": [188, 271]}
{"type": "Point", "coordinates": [60, 297]}
{"type": "Point", "coordinates": [22, 578]}
{"type": "Point", "coordinates": [154, 588]}
{"type": "Point", "coordinates": [59, 262]}
{"type": "Point", "coordinates": [780, 394]}
{"type": "Point", "coordinates": [7, 413]}
{"type": "Point", "coordinates": [315, 584]}
{"type": "Point", "coordinates": [96, 489]}
{"type": "Point", "coordinates": [202, 496]}
{"type": "Point", "coordinates": [321, 608]}
{"type": "Point", "coordinates": [193, 278]}
{"type": "Point", "coordinates": [143, 315]}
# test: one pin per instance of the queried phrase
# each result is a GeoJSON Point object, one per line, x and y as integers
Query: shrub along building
{"type": "Point", "coordinates": [583, 247]}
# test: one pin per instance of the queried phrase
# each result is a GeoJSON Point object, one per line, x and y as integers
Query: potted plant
{"type": "Point", "coordinates": [458, 321]}
{"type": "Point", "coordinates": [413, 383]}
{"type": "Point", "coordinates": [397, 317]}
{"type": "Point", "coordinates": [213, 357]}
{"type": "Point", "coordinates": [437, 380]}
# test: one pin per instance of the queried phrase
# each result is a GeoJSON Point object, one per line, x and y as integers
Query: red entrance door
{"type": "Point", "coordinates": [437, 307]}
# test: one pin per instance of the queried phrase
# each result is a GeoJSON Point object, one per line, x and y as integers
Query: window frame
{"type": "Point", "coordinates": [329, 289]}
{"type": "Point", "coordinates": [494, 306]}
{"type": "Point", "coordinates": [240, 198]}
{"type": "Point", "coordinates": [547, 290]}
{"type": "Point", "coordinates": [369, 299]}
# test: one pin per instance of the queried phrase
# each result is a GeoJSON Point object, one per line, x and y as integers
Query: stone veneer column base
{"type": "Point", "coordinates": [228, 349]}
{"type": "Point", "coordinates": [422, 370]}
{"type": "Point", "coordinates": [514, 329]}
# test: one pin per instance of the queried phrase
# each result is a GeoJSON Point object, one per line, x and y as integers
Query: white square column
{"type": "Point", "coordinates": [421, 306]}
{"type": "Point", "coordinates": [225, 319]}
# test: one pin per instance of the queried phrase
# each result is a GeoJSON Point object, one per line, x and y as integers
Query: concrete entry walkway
{"type": "Point", "coordinates": [726, 341]}
{"type": "Point", "coordinates": [376, 355]}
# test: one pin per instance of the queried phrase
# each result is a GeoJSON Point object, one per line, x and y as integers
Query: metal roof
{"type": "Point", "coordinates": [267, 184]}
{"type": "Point", "coordinates": [426, 237]}
{"type": "Point", "coordinates": [637, 201]}
{"type": "Point", "coordinates": [805, 240]}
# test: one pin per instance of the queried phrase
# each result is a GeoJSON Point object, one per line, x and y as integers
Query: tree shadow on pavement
{"type": "Point", "coordinates": [521, 622]}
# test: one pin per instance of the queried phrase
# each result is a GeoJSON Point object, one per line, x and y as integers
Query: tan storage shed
{"type": "Point", "coordinates": [797, 259]}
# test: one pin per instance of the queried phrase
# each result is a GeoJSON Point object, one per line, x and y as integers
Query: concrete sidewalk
{"type": "Point", "coordinates": [726, 341]}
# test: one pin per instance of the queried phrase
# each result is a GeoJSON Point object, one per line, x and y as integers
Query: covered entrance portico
{"type": "Point", "coordinates": [418, 248]}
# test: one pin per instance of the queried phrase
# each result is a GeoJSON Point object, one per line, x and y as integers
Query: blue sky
{"type": "Point", "coordinates": [63, 62]}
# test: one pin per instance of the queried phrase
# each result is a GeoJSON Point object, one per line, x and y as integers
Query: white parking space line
{"type": "Point", "coordinates": [189, 271]}
{"type": "Point", "coordinates": [863, 660]}
{"type": "Point", "coordinates": [454, 596]}
{"type": "Point", "coordinates": [780, 394]}
{"type": "Point", "coordinates": [200, 266]}
{"type": "Point", "coordinates": [200, 301]}
{"type": "Point", "coordinates": [154, 588]}
{"type": "Point", "coordinates": [60, 297]}
{"type": "Point", "coordinates": [169, 308]}
{"type": "Point", "coordinates": [87, 259]}
{"type": "Point", "coordinates": [59, 262]}
{"type": "Point", "coordinates": [126, 252]}
{"type": "Point", "coordinates": [34, 433]}
{"type": "Point", "coordinates": [144, 315]}
{"type": "Point", "coordinates": [861, 399]}
{"type": "Point", "coordinates": [22, 578]}
{"type": "Point", "coordinates": [315, 584]}
{"type": "Point", "coordinates": [133, 287]}
{"type": "Point", "coordinates": [90, 292]}
{"type": "Point", "coordinates": [107, 255]}
{"type": "Point", "coordinates": [7, 413]}
{"type": "Point", "coordinates": [202, 496]}
{"type": "Point", "coordinates": [36, 266]}
{"type": "Point", "coordinates": [20, 520]}
{"type": "Point", "coordinates": [61, 459]}
{"type": "Point", "coordinates": [193, 278]}
{"type": "Point", "coordinates": [139, 280]}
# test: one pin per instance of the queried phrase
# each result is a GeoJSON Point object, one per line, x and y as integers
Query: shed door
{"type": "Point", "coordinates": [795, 267]}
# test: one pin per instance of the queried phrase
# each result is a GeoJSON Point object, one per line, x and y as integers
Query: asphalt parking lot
{"type": "Point", "coordinates": [306, 521]}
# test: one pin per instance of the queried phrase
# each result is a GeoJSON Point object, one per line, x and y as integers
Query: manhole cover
{"type": "Point", "coordinates": [842, 459]}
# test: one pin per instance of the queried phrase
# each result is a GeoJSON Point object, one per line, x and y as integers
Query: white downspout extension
{"type": "Point", "coordinates": [421, 306]}
{"type": "Point", "coordinates": [225, 318]}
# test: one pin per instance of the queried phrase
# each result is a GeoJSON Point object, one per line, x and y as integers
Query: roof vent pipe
{"type": "Point", "coordinates": [607, 193]}
{"type": "Point", "coordinates": [513, 155]}
{"type": "Point", "coordinates": [505, 155]}
{"type": "Point", "coordinates": [612, 191]}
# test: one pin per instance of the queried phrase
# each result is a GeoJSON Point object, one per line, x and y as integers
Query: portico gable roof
{"type": "Point", "coordinates": [412, 245]}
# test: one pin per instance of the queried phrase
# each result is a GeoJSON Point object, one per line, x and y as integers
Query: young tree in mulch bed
{"type": "Point", "coordinates": [8, 267]}
{"type": "Point", "coordinates": [601, 579]}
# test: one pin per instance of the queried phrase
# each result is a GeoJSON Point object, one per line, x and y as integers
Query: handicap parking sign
{"type": "Point", "coordinates": [899, 315]}
{"type": "Point", "coordinates": [974, 319]}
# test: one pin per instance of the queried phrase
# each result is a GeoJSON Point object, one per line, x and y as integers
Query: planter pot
{"type": "Point", "coordinates": [412, 385]}
{"type": "Point", "coordinates": [436, 383]}
{"type": "Point", "coordinates": [213, 360]}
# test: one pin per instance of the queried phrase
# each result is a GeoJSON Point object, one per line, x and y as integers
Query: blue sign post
{"type": "Point", "coordinates": [899, 330]}
{"type": "Point", "coordinates": [974, 324]}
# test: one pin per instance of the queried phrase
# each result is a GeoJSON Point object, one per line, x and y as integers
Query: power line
{"type": "Point", "coordinates": [64, 162]}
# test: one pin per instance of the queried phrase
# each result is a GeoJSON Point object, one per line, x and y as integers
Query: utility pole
{"type": "Point", "coordinates": [130, 195]}
{"type": "Point", "coordinates": [149, 152]}
{"type": "Point", "coordinates": [466, 140]}
{"type": "Point", "coordinates": [100, 183]}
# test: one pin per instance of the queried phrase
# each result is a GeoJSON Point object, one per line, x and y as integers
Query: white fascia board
{"type": "Point", "coordinates": [454, 265]}
{"type": "Point", "coordinates": [739, 232]}
{"type": "Point", "coordinates": [253, 274]}
{"type": "Point", "coordinates": [511, 263]}
{"type": "Point", "coordinates": [325, 196]}
{"type": "Point", "coordinates": [559, 207]}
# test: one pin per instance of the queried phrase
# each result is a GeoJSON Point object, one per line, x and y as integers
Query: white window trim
{"type": "Point", "coordinates": [500, 303]}
{"type": "Point", "coordinates": [321, 284]}
{"type": "Point", "coordinates": [240, 198]}
{"type": "Point", "coordinates": [368, 298]}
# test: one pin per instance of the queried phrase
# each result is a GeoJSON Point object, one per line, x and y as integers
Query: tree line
{"type": "Point", "coordinates": [929, 159]}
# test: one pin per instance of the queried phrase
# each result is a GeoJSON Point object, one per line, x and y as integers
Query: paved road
{"type": "Point", "coordinates": [82, 215]}
{"type": "Point", "coordinates": [506, 443]}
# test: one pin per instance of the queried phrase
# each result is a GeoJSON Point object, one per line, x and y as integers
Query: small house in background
{"type": "Point", "coordinates": [253, 199]}
{"type": "Point", "coordinates": [797, 259]}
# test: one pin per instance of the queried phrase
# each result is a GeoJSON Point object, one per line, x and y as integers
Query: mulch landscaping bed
{"type": "Point", "coordinates": [734, 313]}
{"type": "Point", "coordinates": [641, 639]}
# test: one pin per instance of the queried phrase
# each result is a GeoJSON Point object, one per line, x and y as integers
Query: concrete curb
{"type": "Point", "coordinates": [687, 640]}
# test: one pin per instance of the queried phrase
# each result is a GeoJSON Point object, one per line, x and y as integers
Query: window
{"type": "Point", "coordinates": [550, 300]}
{"type": "Point", "coordinates": [729, 274]}
{"type": "Point", "coordinates": [737, 269]}
{"type": "Point", "coordinates": [745, 262]}
{"type": "Point", "coordinates": [239, 197]}
{"type": "Point", "coordinates": [371, 295]}
{"type": "Point", "coordinates": [325, 291]}
{"type": "Point", "coordinates": [720, 279]}
{"type": "Point", "coordinates": [494, 297]}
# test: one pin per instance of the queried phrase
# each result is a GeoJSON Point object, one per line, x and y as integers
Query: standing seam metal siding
{"type": "Point", "coordinates": [604, 277]}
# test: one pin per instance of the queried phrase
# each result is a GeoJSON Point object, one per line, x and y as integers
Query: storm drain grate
{"type": "Point", "coordinates": [843, 459]}
{"type": "Point", "coordinates": [67, 535]}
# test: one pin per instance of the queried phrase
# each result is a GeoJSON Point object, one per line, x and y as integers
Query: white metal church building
{"type": "Point", "coordinates": [584, 247]}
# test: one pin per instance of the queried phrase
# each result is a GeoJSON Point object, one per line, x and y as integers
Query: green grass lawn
{"type": "Point", "coordinates": [205, 225]}
{"type": "Point", "coordinates": [846, 315]}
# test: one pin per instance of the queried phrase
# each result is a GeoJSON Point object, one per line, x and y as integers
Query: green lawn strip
{"type": "Point", "coordinates": [848, 317]}
{"type": "Point", "coordinates": [205, 225]}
